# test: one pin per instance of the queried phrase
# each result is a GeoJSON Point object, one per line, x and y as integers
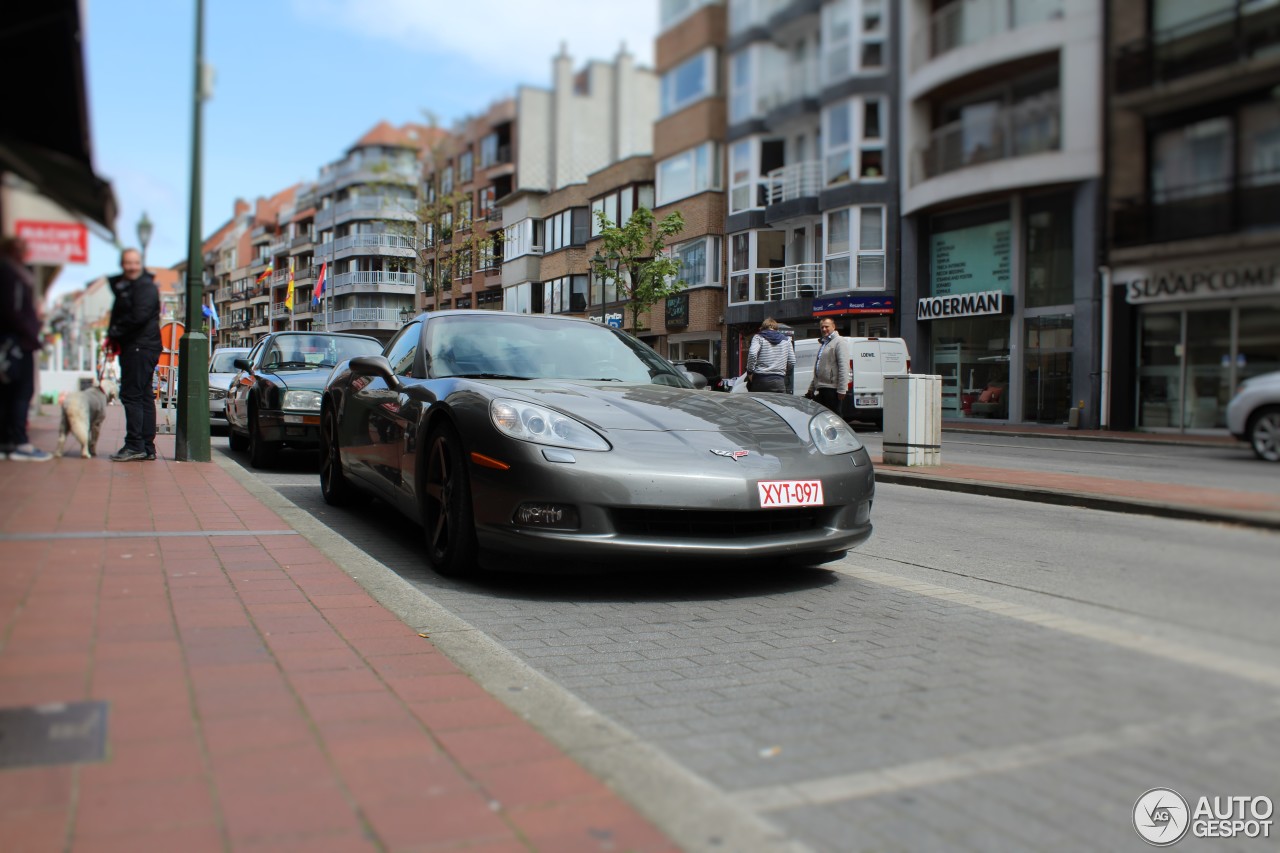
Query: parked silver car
{"type": "Point", "coordinates": [1253, 415]}
{"type": "Point", "coordinates": [221, 372]}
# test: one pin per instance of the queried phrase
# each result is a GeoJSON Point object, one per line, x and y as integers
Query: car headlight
{"type": "Point", "coordinates": [832, 435]}
{"type": "Point", "coordinates": [217, 393]}
{"type": "Point", "coordinates": [307, 401]}
{"type": "Point", "coordinates": [540, 425]}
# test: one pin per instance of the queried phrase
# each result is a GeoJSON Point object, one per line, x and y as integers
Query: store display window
{"type": "Point", "coordinates": [972, 356]}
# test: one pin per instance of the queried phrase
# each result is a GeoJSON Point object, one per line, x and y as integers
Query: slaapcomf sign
{"type": "Point", "coordinates": [962, 305]}
{"type": "Point", "coordinates": [1237, 277]}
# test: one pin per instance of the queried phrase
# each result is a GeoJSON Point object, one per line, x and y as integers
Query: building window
{"type": "Point", "coordinates": [568, 294]}
{"type": "Point", "coordinates": [753, 255]}
{"type": "Point", "coordinates": [446, 181]}
{"type": "Point", "coordinates": [466, 170]}
{"type": "Point", "coordinates": [854, 140]}
{"type": "Point", "coordinates": [699, 261]}
{"type": "Point", "coordinates": [689, 172]}
{"type": "Point", "coordinates": [523, 238]}
{"type": "Point", "coordinates": [690, 81]}
{"type": "Point", "coordinates": [523, 298]}
{"type": "Point", "coordinates": [488, 150]}
{"type": "Point", "coordinates": [618, 206]}
{"type": "Point", "coordinates": [603, 293]}
{"type": "Point", "coordinates": [567, 228]}
{"type": "Point", "coordinates": [855, 249]}
{"type": "Point", "coordinates": [1048, 230]}
{"type": "Point", "coordinates": [853, 38]}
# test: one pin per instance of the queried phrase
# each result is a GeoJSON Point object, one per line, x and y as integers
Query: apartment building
{"type": "Point", "coordinates": [1193, 209]}
{"type": "Point", "coordinates": [564, 137]}
{"type": "Point", "coordinates": [688, 155]}
{"type": "Point", "coordinates": [460, 231]}
{"type": "Point", "coordinates": [364, 226]}
{"type": "Point", "coordinates": [812, 184]}
{"type": "Point", "coordinates": [1001, 145]}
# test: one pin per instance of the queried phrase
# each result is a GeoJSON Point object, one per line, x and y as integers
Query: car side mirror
{"type": "Point", "coordinates": [699, 381]}
{"type": "Point", "coordinates": [376, 365]}
{"type": "Point", "coordinates": [240, 364]}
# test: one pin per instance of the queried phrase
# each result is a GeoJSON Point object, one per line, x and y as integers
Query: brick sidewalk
{"type": "Point", "coordinates": [259, 698]}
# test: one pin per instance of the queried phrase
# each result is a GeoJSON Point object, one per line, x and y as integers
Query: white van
{"type": "Point", "coordinates": [871, 360]}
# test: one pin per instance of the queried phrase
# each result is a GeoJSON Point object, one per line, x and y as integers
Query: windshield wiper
{"type": "Point", "coordinates": [484, 376]}
{"type": "Point", "coordinates": [294, 365]}
{"type": "Point", "coordinates": [599, 379]}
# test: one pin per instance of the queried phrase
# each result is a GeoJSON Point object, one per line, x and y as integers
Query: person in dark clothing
{"type": "Point", "coordinates": [135, 333]}
{"type": "Point", "coordinates": [19, 342]}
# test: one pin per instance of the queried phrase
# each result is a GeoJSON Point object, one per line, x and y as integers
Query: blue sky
{"type": "Point", "coordinates": [298, 81]}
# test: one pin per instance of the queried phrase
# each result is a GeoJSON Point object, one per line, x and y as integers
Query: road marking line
{"type": "Point", "coordinates": [918, 774]}
{"type": "Point", "coordinates": [1122, 637]}
{"type": "Point", "coordinates": [138, 534]}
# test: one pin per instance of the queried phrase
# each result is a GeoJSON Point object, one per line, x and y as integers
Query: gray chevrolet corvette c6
{"type": "Point", "coordinates": [526, 440]}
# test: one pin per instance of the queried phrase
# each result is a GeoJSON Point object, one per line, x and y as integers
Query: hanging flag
{"type": "Point", "coordinates": [210, 312]}
{"type": "Point", "coordinates": [320, 281]}
{"type": "Point", "coordinates": [288, 295]}
{"type": "Point", "coordinates": [265, 273]}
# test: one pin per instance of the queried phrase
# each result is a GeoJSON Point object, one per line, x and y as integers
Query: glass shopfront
{"type": "Point", "coordinates": [1191, 358]}
{"type": "Point", "coordinates": [1000, 309]}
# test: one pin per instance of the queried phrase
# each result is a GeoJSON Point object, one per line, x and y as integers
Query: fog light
{"type": "Point", "coordinates": [560, 516]}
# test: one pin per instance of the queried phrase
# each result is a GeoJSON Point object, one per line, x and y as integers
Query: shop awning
{"type": "Point", "coordinates": [44, 136]}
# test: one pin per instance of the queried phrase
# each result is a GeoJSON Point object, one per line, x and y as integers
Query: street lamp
{"type": "Point", "coordinates": [406, 314]}
{"type": "Point", "coordinates": [144, 236]}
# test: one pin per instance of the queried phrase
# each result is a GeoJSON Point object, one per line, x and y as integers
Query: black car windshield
{"type": "Point", "coordinates": [222, 361]}
{"type": "Point", "coordinates": [313, 351]}
{"type": "Point", "coordinates": [523, 346]}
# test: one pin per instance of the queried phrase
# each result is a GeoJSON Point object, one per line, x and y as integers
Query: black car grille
{"type": "Point", "coordinates": [715, 524]}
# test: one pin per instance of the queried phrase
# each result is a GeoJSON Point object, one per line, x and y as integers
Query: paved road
{"type": "Point", "coordinates": [982, 675]}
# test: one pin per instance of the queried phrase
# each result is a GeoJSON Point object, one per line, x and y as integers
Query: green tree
{"type": "Point", "coordinates": [633, 257]}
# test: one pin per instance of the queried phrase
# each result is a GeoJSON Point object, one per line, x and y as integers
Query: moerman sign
{"type": "Point", "coordinates": [1242, 278]}
{"type": "Point", "coordinates": [961, 305]}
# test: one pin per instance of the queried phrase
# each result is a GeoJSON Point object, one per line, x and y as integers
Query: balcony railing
{"type": "Point", "coordinates": [795, 282]}
{"type": "Point", "coordinates": [278, 309]}
{"type": "Point", "coordinates": [1029, 127]}
{"type": "Point", "coordinates": [302, 239]}
{"type": "Point", "coordinates": [753, 13]}
{"type": "Point", "coordinates": [372, 241]}
{"type": "Point", "coordinates": [359, 315]}
{"type": "Point", "coordinates": [1240, 203]}
{"type": "Point", "coordinates": [967, 22]}
{"type": "Point", "coordinates": [798, 180]}
{"type": "Point", "coordinates": [376, 278]}
{"type": "Point", "coordinates": [1211, 41]}
{"type": "Point", "coordinates": [502, 157]}
{"type": "Point", "coordinates": [800, 81]}
{"type": "Point", "coordinates": [374, 206]}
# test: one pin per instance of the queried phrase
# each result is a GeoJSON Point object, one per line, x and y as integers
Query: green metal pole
{"type": "Point", "coordinates": [193, 350]}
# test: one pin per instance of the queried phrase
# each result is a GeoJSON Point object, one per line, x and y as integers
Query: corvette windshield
{"type": "Point", "coordinates": [529, 347]}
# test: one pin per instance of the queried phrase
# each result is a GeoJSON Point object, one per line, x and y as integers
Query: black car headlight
{"type": "Point", "coordinates": [832, 435]}
{"type": "Point", "coordinates": [301, 401]}
{"type": "Point", "coordinates": [540, 425]}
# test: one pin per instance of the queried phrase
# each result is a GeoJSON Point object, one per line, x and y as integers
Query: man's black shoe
{"type": "Point", "coordinates": [124, 454]}
{"type": "Point", "coordinates": [151, 457]}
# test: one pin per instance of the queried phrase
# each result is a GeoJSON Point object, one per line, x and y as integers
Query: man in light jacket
{"type": "Point", "coordinates": [770, 357]}
{"type": "Point", "coordinates": [831, 371]}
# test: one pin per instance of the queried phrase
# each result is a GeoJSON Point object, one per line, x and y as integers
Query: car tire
{"type": "Point", "coordinates": [236, 441]}
{"type": "Point", "coordinates": [1264, 433]}
{"type": "Point", "coordinates": [335, 488]}
{"type": "Point", "coordinates": [447, 517]}
{"type": "Point", "coordinates": [261, 453]}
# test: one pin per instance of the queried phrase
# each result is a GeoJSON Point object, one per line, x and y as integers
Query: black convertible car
{"type": "Point", "coordinates": [274, 400]}
{"type": "Point", "coordinates": [520, 439]}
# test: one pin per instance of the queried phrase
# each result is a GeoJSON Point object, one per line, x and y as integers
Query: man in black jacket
{"type": "Point", "coordinates": [135, 334]}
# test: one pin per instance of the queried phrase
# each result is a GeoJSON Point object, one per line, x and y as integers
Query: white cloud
{"type": "Point", "coordinates": [513, 38]}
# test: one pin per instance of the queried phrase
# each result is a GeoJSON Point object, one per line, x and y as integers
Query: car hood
{"type": "Point", "coordinates": [221, 380]}
{"type": "Point", "coordinates": [301, 380]}
{"type": "Point", "coordinates": [660, 408]}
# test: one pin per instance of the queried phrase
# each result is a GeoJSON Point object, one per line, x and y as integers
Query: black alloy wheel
{"type": "Point", "coordinates": [1264, 433]}
{"type": "Point", "coordinates": [334, 485]}
{"type": "Point", "coordinates": [446, 505]}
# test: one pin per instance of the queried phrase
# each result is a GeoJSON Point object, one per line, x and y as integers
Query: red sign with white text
{"type": "Point", "coordinates": [54, 242]}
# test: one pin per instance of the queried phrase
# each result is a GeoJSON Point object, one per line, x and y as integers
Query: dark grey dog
{"type": "Point", "coordinates": [82, 416]}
